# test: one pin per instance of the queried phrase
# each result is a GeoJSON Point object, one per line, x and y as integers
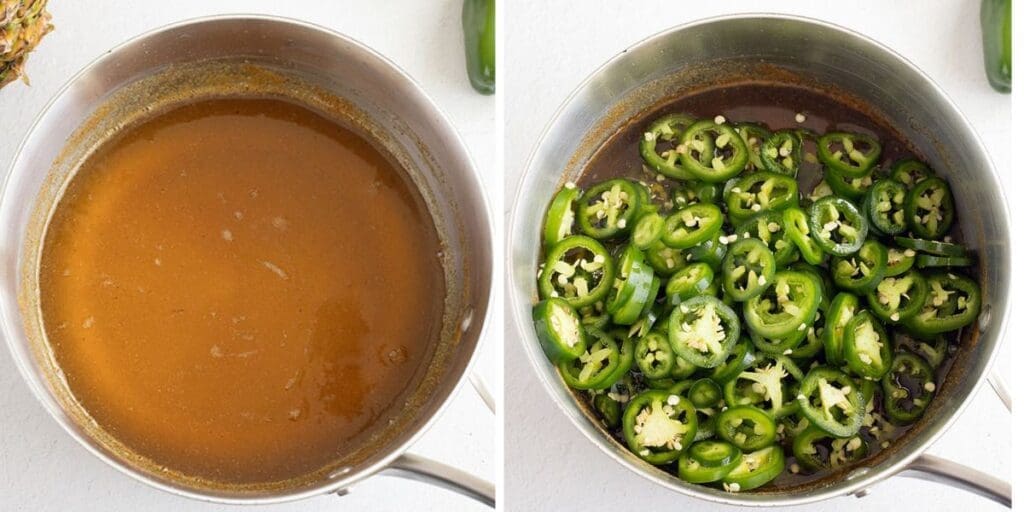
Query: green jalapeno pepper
{"type": "Point", "coordinates": [753, 136]}
{"type": "Point", "coordinates": [705, 393]}
{"type": "Point", "coordinates": [782, 153]}
{"type": "Point", "coordinates": [665, 260]}
{"type": "Point", "coordinates": [764, 385]}
{"type": "Point", "coordinates": [659, 426]}
{"type": "Point", "coordinates": [831, 401]}
{"type": "Point", "coordinates": [813, 341]}
{"type": "Point", "coordinates": [478, 29]}
{"type": "Point", "coordinates": [746, 427]}
{"type": "Point", "coordinates": [850, 154]}
{"type": "Point", "coordinates": [930, 261]}
{"type": "Point", "coordinates": [853, 189]}
{"type": "Point", "coordinates": [649, 229]}
{"type": "Point", "coordinates": [997, 43]}
{"type": "Point", "coordinates": [898, 261]}
{"type": "Point", "coordinates": [844, 307]}
{"type": "Point", "coordinates": [748, 269]}
{"type": "Point", "coordinates": [703, 331]}
{"type": "Point", "coordinates": [596, 367]}
{"type": "Point", "coordinates": [898, 297]}
{"type": "Point", "coordinates": [933, 352]}
{"type": "Point", "coordinates": [693, 192]}
{"type": "Point", "coordinates": [866, 346]}
{"type": "Point", "coordinates": [787, 305]}
{"type": "Point", "coordinates": [741, 358]}
{"type": "Point", "coordinates": [609, 409]}
{"type": "Point", "coordinates": [908, 388]}
{"type": "Point", "coordinates": [910, 172]}
{"type": "Point", "coordinates": [559, 329]}
{"type": "Point", "coordinates": [692, 280]}
{"type": "Point", "coordinates": [632, 289]}
{"type": "Point", "coordinates": [650, 313]}
{"type": "Point", "coordinates": [668, 131]}
{"type": "Point", "coordinates": [629, 274]}
{"type": "Point", "coordinates": [710, 251]}
{"type": "Point", "coordinates": [837, 226]}
{"type": "Point", "coordinates": [953, 302]}
{"type": "Point", "coordinates": [713, 152]}
{"type": "Point", "coordinates": [798, 230]}
{"type": "Point", "coordinates": [608, 209]}
{"type": "Point", "coordinates": [932, 246]}
{"type": "Point", "coordinates": [760, 192]}
{"type": "Point", "coordinates": [929, 208]}
{"type": "Point", "coordinates": [768, 228]}
{"type": "Point", "coordinates": [756, 469]}
{"type": "Point", "coordinates": [558, 221]}
{"type": "Point", "coordinates": [778, 346]}
{"type": "Point", "coordinates": [708, 461]}
{"type": "Point", "coordinates": [692, 226]}
{"type": "Point", "coordinates": [884, 204]}
{"type": "Point", "coordinates": [654, 356]}
{"type": "Point", "coordinates": [861, 272]}
{"type": "Point", "coordinates": [578, 269]}
{"type": "Point", "coordinates": [835, 452]}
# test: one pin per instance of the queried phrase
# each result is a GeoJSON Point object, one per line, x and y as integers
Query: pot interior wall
{"type": "Point", "coordinates": [778, 50]}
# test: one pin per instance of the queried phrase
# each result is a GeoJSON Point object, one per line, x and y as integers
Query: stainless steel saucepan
{"type": "Point", "coordinates": [265, 56]}
{"type": "Point", "coordinates": [803, 51]}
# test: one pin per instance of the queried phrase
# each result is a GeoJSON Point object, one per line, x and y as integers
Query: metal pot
{"type": "Point", "coordinates": [265, 56]}
{"type": "Point", "coordinates": [728, 49]}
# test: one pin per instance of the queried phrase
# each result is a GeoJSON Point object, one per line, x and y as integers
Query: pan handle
{"type": "Point", "coordinates": [943, 471]}
{"type": "Point", "coordinates": [441, 475]}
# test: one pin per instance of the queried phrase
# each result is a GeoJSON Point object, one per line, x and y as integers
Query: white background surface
{"type": "Point", "coordinates": [41, 468]}
{"type": "Point", "coordinates": [550, 48]}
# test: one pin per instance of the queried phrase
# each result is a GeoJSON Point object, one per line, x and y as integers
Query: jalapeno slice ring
{"type": "Point", "coordinates": [953, 302]}
{"type": "Point", "coordinates": [853, 189]}
{"type": "Point", "coordinates": [782, 153]}
{"type": "Point", "coordinates": [746, 427]}
{"type": "Point", "coordinates": [558, 221]}
{"type": "Point", "coordinates": [787, 305]}
{"type": "Point", "coordinates": [608, 209]}
{"type": "Point", "coordinates": [649, 229]}
{"type": "Point", "coordinates": [703, 331]}
{"type": "Point", "coordinates": [609, 409]}
{"type": "Point", "coordinates": [908, 388]}
{"type": "Point", "coordinates": [849, 154]}
{"type": "Point", "coordinates": [692, 280]}
{"type": "Point", "coordinates": [741, 358]}
{"type": "Point", "coordinates": [753, 136]}
{"type": "Point", "coordinates": [844, 306]}
{"type": "Point", "coordinates": [708, 461]}
{"type": "Point", "coordinates": [760, 192]}
{"type": "Point", "coordinates": [929, 208]}
{"type": "Point", "coordinates": [898, 260]}
{"type": "Point", "coordinates": [898, 297]}
{"type": "Point", "coordinates": [931, 246]}
{"type": "Point", "coordinates": [798, 231]}
{"type": "Point", "coordinates": [836, 451]}
{"type": "Point", "coordinates": [831, 401]}
{"type": "Point", "coordinates": [659, 426]}
{"type": "Point", "coordinates": [668, 129]}
{"type": "Point", "coordinates": [578, 269]}
{"type": "Point", "coordinates": [929, 261]}
{"type": "Point", "coordinates": [654, 356]}
{"type": "Point", "coordinates": [768, 228]}
{"type": "Point", "coordinates": [595, 368]}
{"type": "Point", "coordinates": [910, 172]}
{"type": "Point", "coordinates": [692, 226]}
{"type": "Point", "coordinates": [837, 226]}
{"type": "Point", "coordinates": [866, 346]}
{"type": "Point", "coordinates": [748, 269]}
{"type": "Point", "coordinates": [756, 469]}
{"type": "Point", "coordinates": [713, 152]}
{"type": "Point", "coordinates": [710, 251]}
{"type": "Point", "coordinates": [884, 205]}
{"type": "Point", "coordinates": [861, 272]}
{"type": "Point", "coordinates": [764, 384]}
{"type": "Point", "coordinates": [559, 329]}
{"type": "Point", "coordinates": [664, 259]}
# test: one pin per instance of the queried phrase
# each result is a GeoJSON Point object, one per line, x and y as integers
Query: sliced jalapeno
{"type": "Point", "coordinates": [760, 192]}
{"type": "Point", "coordinates": [708, 461]}
{"type": "Point", "coordinates": [929, 208]}
{"type": "Point", "coordinates": [741, 358]}
{"type": "Point", "coordinates": [559, 329]}
{"type": "Point", "coordinates": [746, 427]}
{"type": "Point", "coordinates": [768, 228]}
{"type": "Point", "coordinates": [837, 226]}
{"type": "Point", "coordinates": [692, 280]}
{"type": "Point", "coordinates": [787, 305]}
{"type": "Point", "coordinates": [609, 409]}
{"type": "Point", "coordinates": [693, 192]}
{"type": "Point", "coordinates": [558, 221]}
{"type": "Point", "coordinates": [884, 205]}
{"type": "Point", "coordinates": [861, 272]}
{"type": "Point", "coordinates": [850, 154]}
{"type": "Point", "coordinates": [649, 314]}
{"type": "Point", "coordinates": [659, 426]}
{"type": "Point", "coordinates": [908, 388]}
{"type": "Point", "coordinates": [933, 352]}
{"type": "Point", "coordinates": [898, 297]}
{"type": "Point", "coordinates": [713, 152]}
{"type": "Point", "coordinates": [844, 307]}
{"type": "Point", "coordinates": [608, 209]}
{"type": "Point", "coordinates": [705, 393]}
{"type": "Point", "coordinates": [654, 356]}
{"type": "Point", "coordinates": [831, 401]}
{"type": "Point", "coordinates": [710, 251]}
{"type": "Point", "coordinates": [813, 341]}
{"type": "Point", "coordinates": [648, 230]}
{"type": "Point", "coordinates": [931, 246]}
{"type": "Point", "coordinates": [667, 132]}
{"type": "Point", "coordinates": [798, 231]}
{"type": "Point", "coordinates": [866, 346]}
{"type": "Point", "coordinates": [898, 261]}
{"type": "Point", "coordinates": [596, 367]}
{"type": "Point", "coordinates": [756, 469]}
{"type": "Point", "coordinates": [953, 302]}
{"type": "Point", "coordinates": [665, 260]}
{"type": "Point", "coordinates": [853, 189]}
{"type": "Point", "coordinates": [782, 153]}
{"type": "Point", "coordinates": [753, 136]}
{"type": "Point", "coordinates": [929, 261]}
{"type": "Point", "coordinates": [910, 172]}
{"type": "Point", "coordinates": [631, 291]}
{"type": "Point", "coordinates": [578, 269]}
{"type": "Point", "coordinates": [763, 387]}
{"type": "Point", "coordinates": [748, 269]}
{"type": "Point", "coordinates": [817, 450]}
{"type": "Point", "coordinates": [692, 226]}
{"type": "Point", "coordinates": [703, 331]}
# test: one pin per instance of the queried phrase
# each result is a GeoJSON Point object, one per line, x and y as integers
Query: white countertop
{"type": "Point", "coordinates": [550, 48]}
{"type": "Point", "coordinates": [41, 468]}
